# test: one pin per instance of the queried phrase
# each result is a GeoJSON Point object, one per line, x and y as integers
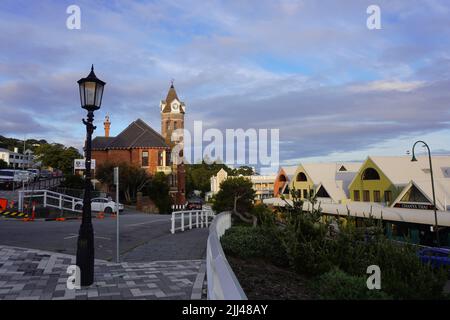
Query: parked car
{"type": "Point", "coordinates": [36, 173]}
{"type": "Point", "coordinates": [105, 205]}
{"type": "Point", "coordinates": [10, 178]}
{"type": "Point", "coordinates": [194, 204]}
{"type": "Point", "coordinates": [437, 257]}
{"type": "Point", "coordinates": [45, 174]}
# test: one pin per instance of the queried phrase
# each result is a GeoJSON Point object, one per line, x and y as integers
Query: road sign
{"type": "Point", "coordinates": [80, 164]}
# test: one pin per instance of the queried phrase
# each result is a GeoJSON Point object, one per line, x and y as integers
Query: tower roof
{"type": "Point", "coordinates": [171, 96]}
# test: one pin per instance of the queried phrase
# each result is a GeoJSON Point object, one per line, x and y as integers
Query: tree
{"type": "Point", "coordinates": [132, 179]}
{"type": "Point", "coordinates": [73, 181]}
{"type": "Point", "coordinates": [236, 194]}
{"type": "Point", "coordinates": [158, 191]}
{"type": "Point", "coordinates": [57, 156]}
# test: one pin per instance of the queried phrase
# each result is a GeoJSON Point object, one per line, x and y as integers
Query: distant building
{"type": "Point", "coordinates": [282, 180]}
{"type": "Point", "coordinates": [263, 185]}
{"type": "Point", "coordinates": [17, 160]}
{"type": "Point", "coordinates": [329, 181]}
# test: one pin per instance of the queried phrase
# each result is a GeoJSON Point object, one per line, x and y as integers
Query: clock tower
{"type": "Point", "coordinates": [172, 118]}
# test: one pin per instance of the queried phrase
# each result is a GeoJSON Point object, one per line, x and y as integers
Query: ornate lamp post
{"type": "Point", "coordinates": [432, 186]}
{"type": "Point", "coordinates": [91, 92]}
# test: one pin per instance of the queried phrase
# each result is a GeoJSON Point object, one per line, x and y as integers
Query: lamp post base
{"type": "Point", "coordinates": [85, 254]}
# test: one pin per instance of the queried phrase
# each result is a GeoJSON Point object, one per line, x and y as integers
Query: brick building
{"type": "Point", "coordinates": [140, 145]}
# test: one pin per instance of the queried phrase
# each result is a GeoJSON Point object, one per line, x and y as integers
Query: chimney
{"type": "Point", "coordinates": [16, 150]}
{"type": "Point", "coordinates": [107, 125]}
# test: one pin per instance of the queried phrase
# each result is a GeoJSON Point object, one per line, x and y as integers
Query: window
{"type": "Point", "coordinates": [175, 125]}
{"type": "Point", "coordinates": [356, 195]}
{"type": "Point", "coordinates": [370, 174]}
{"type": "Point", "coordinates": [301, 177]}
{"type": "Point", "coordinates": [376, 196]}
{"type": "Point", "coordinates": [342, 169]}
{"type": "Point", "coordinates": [305, 193]}
{"type": "Point", "coordinates": [161, 158]}
{"type": "Point", "coordinates": [322, 193]}
{"type": "Point", "coordinates": [145, 158]}
{"type": "Point", "coordinates": [387, 196]}
{"type": "Point", "coordinates": [366, 196]}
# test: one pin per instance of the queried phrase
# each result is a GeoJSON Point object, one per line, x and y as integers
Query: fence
{"type": "Point", "coordinates": [201, 217]}
{"type": "Point", "coordinates": [222, 282]}
{"type": "Point", "coordinates": [51, 199]}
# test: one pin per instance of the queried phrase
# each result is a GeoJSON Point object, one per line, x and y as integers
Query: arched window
{"type": "Point", "coordinates": [370, 174]}
{"type": "Point", "coordinates": [302, 177]}
{"type": "Point", "coordinates": [282, 178]}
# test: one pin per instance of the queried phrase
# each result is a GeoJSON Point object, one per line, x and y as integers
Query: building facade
{"type": "Point", "coordinates": [17, 160]}
{"type": "Point", "coordinates": [140, 145]}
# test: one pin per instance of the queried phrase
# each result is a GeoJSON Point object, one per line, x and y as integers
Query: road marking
{"type": "Point", "coordinates": [72, 235]}
{"type": "Point", "coordinates": [142, 223]}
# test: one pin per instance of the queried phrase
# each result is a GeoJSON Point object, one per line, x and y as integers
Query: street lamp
{"type": "Point", "coordinates": [91, 92]}
{"type": "Point", "coordinates": [432, 185]}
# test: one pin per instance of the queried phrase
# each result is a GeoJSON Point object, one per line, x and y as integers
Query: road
{"type": "Point", "coordinates": [143, 237]}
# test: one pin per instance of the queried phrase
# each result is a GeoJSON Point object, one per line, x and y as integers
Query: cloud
{"type": "Point", "coordinates": [313, 70]}
{"type": "Point", "coordinates": [387, 85]}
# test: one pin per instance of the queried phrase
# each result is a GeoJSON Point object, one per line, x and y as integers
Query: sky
{"type": "Point", "coordinates": [335, 89]}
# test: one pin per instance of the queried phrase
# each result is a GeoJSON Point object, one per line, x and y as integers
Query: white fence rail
{"type": "Point", "coordinates": [189, 219]}
{"type": "Point", "coordinates": [50, 199]}
{"type": "Point", "coordinates": [222, 282]}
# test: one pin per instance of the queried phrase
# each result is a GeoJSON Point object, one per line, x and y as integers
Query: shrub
{"type": "Point", "coordinates": [336, 284]}
{"type": "Point", "coordinates": [73, 181]}
{"type": "Point", "coordinates": [247, 242]}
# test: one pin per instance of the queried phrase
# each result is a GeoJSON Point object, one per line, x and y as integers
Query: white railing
{"type": "Point", "coordinates": [188, 219]}
{"type": "Point", "coordinates": [222, 282]}
{"type": "Point", "coordinates": [49, 199]}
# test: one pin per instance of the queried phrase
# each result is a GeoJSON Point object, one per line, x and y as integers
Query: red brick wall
{"type": "Point", "coordinates": [133, 156]}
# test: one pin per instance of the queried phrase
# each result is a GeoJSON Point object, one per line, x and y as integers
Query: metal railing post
{"type": "Point", "coordinates": [190, 219]}
{"type": "Point", "coordinates": [196, 219]}
{"type": "Point", "coordinates": [173, 223]}
{"type": "Point", "coordinates": [182, 220]}
{"type": "Point", "coordinates": [45, 198]}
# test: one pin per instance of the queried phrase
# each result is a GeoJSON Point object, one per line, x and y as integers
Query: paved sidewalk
{"type": "Point", "coordinates": [34, 274]}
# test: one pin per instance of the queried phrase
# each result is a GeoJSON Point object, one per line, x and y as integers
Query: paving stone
{"type": "Point", "coordinates": [38, 275]}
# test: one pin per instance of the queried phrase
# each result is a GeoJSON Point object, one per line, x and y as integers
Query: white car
{"type": "Point", "coordinates": [105, 205]}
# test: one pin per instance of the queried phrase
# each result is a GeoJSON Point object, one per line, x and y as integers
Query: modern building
{"type": "Point", "coordinates": [263, 185]}
{"type": "Point", "coordinates": [328, 181]}
{"type": "Point", "coordinates": [140, 145]}
{"type": "Point", "coordinates": [17, 160]}
{"type": "Point", "coordinates": [399, 182]}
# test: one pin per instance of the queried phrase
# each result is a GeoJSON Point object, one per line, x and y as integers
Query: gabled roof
{"type": "Point", "coordinates": [289, 171]}
{"type": "Point", "coordinates": [400, 170]}
{"type": "Point", "coordinates": [137, 135]}
{"type": "Point", "coordinates": [334, 181]}
{"type": "Point", "coordinates": [101, 142]}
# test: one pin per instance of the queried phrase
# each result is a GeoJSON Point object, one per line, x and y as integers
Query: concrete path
{"type": "Point", "coordinates": [36, 274]}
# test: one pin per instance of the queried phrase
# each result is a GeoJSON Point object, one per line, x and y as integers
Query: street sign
{"type": "Point", "coordinates": [80, 164]}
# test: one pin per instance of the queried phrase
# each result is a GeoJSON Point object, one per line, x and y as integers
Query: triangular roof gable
{"type": "Point", "coordinates": [363, 167]}
{"type": "Point", "coordinates": [406, 189]}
